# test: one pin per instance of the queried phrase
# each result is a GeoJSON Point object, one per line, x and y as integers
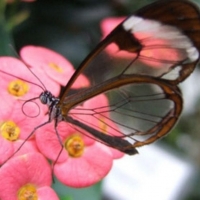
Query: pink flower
{"type": "Point", "coordinates": [15, 128]}
{"type": "Point", "coordinates": [81, 154]}
{"type": "Point", "coordinates": [86, 170]}
{"type": "Point", "coordinates": [77, 157]}
{"type": "Point", "coordinates": [13, 84]}
{"type": "Point", "coordinates": [108, 24]}
{"type": "Point", "coordinates": [26, 177]}
{"type": "Point", "coordinates": [17, 120]}
{"type": "Point", "coordinates": [54, 65]}
{"type": "Point", "coordinates": [156, 48]}
{"type": "Point", "coordinates": [19, 84]}
{"type": "Point", "coordinates": [48, 141]}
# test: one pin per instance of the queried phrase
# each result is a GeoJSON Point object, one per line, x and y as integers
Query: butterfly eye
{"type": "Point", "coordinates": [45, 97]}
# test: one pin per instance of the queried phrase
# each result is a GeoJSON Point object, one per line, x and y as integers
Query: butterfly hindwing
{"type": "Point", "coordinates": [140, 111]}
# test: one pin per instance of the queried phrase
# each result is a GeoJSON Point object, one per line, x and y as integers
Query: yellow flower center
{"type": "Point", "coordinates": [27, 192]}
{"type": "Point", "coordinates": [9, 130]}
{"type": "Point", "coordinates": [75, 146]}
{"type": "Point", "coordinates": [103, 126]}
{"type": "Point", "coordinates": [18, 88]}
{"type": "Point", "coordinates": [56, 67]}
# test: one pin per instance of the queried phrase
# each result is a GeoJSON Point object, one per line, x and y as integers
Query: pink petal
{"type": "Point", "coordinates": [25, 123]}
{"type": "Point", "coordinates": [26, 126]}
{"type": "Point", "coordinates": [29, 146]}
{"type": "Point", "coordinates": [6, 150]}
{"type": "Point", "coordinates": [63, 126]}
{"type": "Point", "coordinates": [17, 70]}
{"type": "Point", "coordinates": [37, 56]}
{"type": "Point", "coordinates": [116, 153]}
{"type": "Point", "coordinates": [11, 149]}
{"type": "Point", "coordinates": [48, 83]}
{"type": "Point", "coordinates": [108, 24]}
{"type": "Point", "coordinates": [87, 169]}
{"type": "Point", "coordinates": [48, 142]}
{"type": "Point", "coordinates": [47, 193]}
{"type": "Point", "coordinates": [41, 57]}
{"type": "Point", "coordinates": [30, 168]}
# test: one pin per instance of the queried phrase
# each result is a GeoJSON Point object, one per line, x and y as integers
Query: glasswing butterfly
{"type": "Point", "coordinates": [161, 44]}
{"type": "Point", "coordinates": [160, 47]}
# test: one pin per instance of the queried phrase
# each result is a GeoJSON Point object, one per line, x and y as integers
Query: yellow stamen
{"type": "Point", "coordinates": [56, 67]}
{"type": "Point", "coordinates": [103, 126]}
{"type": "Point", "coordinates": [75, 146]}
{"type": "Point", "coordinates": [27, 192]}
{"type": "Point", "coordinates": [18, 88]}
{"type": "Point", "coordinates": [9, 130]}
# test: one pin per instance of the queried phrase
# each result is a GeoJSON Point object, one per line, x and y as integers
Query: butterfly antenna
{"type": "Point", "coordinates": [30, 100]}
{"type": "Point", "coordinates": [43, 88]}
{"type": "Point", "coordinates": [28, 67]}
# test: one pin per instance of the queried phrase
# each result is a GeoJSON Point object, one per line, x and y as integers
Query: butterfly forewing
{"type": "Point", "coordinates": [184, 16]}
{"type": "Point", "coordinates": [160, 40]}
{"type": "Point", "coordinates": [136, 68]}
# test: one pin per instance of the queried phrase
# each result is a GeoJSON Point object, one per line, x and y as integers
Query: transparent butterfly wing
{"type": "Point", "coordinates": [138, 112]}
{"type": "Point", "coordinates": [136, 67]}
{"type": "Point", "coordinates": [160, 40]}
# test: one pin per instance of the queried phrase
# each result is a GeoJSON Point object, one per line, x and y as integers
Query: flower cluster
{"type": "Point", "coordinates": [76, 159]}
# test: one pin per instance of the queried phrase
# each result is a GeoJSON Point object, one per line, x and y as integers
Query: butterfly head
{"type": "Point", "coordinates": [47, 98]}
